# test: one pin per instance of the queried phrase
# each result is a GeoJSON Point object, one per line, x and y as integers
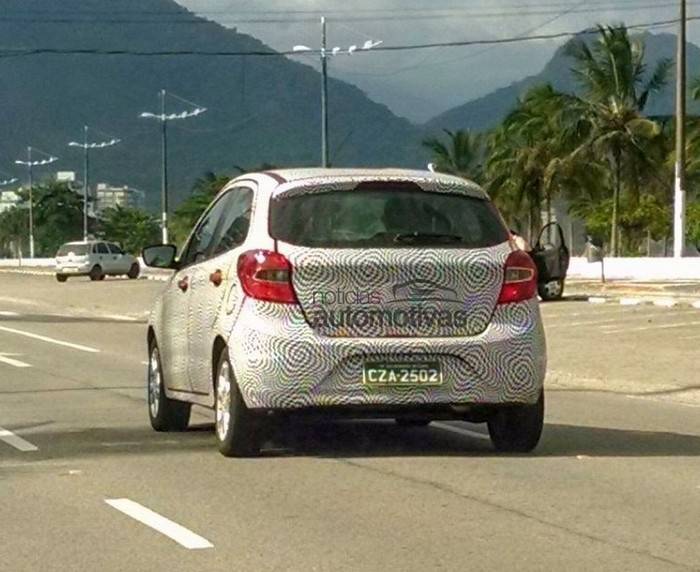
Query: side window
{"type": "Point", "coordinates": [202, 239]}
{"type": "Point", "coordinates": [114, 249]}
{"type": "Point", "coordinates": [102, 248]}
{"type": "Point", "coordinates": [235, 222]}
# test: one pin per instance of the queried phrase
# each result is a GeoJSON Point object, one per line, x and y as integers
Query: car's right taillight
{"type": "Point", "coordinates": [520, 278]}
{"type": "Point", "coordinates": [266, 275]}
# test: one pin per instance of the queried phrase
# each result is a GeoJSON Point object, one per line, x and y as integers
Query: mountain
{"type": "Point", "coordinates": [260, 109]}
{"type": "Point", "coordinates": [486, 112]}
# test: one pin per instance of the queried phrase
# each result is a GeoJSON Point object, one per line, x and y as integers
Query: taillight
{"type": "Point", "coordinates": [520, 278]}
{"type": "Point", "coordinates": [266, 275]}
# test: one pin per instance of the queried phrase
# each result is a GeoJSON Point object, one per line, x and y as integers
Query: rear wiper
{"type": "Point", "coordinates": [428, 237]}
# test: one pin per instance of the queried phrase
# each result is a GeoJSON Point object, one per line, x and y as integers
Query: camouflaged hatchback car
{"type": "Point", "coordinates": [380, 293]}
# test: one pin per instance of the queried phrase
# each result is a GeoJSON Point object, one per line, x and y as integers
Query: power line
{"type": "Point", "coordinates": [24, 52]}
{"type": "Point", "coordinates": [356, 15]}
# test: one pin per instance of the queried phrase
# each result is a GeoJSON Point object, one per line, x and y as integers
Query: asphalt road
{"type": "Point", "coordinates": [86, 485]}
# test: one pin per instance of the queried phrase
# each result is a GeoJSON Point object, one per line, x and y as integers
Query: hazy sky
{"type": "Point", "coordinates": [424, 83]}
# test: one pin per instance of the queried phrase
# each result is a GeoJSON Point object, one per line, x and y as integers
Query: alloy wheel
{"type": "Point", "coordinates": [223, 400]}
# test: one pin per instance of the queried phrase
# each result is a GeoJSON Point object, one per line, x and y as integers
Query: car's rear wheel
{"type": "Point", "coordinates": [96, 273]}
{"type": "Point", "coordinates": [61, 277]}
{"type": "Point", "coordinates": [238, 430]}
{"type": "Point", "coordinates": [517, 429]}
{"type": "Point", "coordinates": [408, 422]}
{"type": "Point", "coordinates": [165, 414]}
{"type": "Point", "coordinates": [552, 290]}
{"type": "Point", "coordinates": [134, 271]}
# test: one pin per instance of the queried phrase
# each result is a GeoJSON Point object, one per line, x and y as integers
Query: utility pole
{"type": "Point", "coordinates": [324, 95]}
{"type": "Point", "coordinates": [86, 146]}
{"type": "Point", "coordinates": [679, 192]}
{"type": "Point", "coordinates": [30, 164]}
{"type": "Point", "coordinates": [163, 117]}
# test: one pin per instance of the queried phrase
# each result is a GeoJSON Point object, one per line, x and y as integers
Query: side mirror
{"type": "Point", "coordinates": [160, 256]}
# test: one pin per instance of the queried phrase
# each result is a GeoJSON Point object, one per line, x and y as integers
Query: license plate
{"type": "Point", "coordinates": [407, 374]}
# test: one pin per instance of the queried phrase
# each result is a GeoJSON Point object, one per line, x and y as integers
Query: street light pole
{"type": "Point", "coordinates": [30, 165]}
{"type": "Point", "coordinates": [86, 146]}
{"type": "Point", "coordinates": [164, 179]}
{"type": "Point", "coordinates": [86, 183]}
{"type": "Point", "coordinates": [679, 191]}
{"type": "Point", "coordinates": [368, 45]}
{"type": "Point", "coordinates": [164, 117]}
{"type": "Point", "coordinates": [324, 95]}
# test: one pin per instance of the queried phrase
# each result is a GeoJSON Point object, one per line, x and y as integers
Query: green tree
{"type": "Point", "coordinates": [617, 86]}
{"type": "Point", "coordinates": [528, 162]}
{"type": "Point", "coordinates": [14, 232]}
{"type": "Point", "coordinates": [133, 228]}
{"type": "Point", "coordinates": [189, 211]}
{"type": "Point", "coordinates": [58, 217]}
{"type": "Point", "coordinates": [462, 155]}
{"type": "Point", "coordinates": [693, 224]}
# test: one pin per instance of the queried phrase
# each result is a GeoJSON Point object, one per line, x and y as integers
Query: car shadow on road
{"type": "Point", "coordinates": [362, 439]}
{"type": "Point", "coordinates": [367, 439]}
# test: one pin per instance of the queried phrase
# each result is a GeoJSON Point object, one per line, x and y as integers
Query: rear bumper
{"type": "Point", "coordinates": [75, 270]}
{"type": "Point", "coordinates": [282, 364]}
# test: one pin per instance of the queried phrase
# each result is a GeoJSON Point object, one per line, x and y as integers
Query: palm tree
{"type": "Point", "coordinates": [617, 87]}
{"type": "Point", "coordinates": [527, 165]}
{"type": "Point", "coordinates": [462, 155]}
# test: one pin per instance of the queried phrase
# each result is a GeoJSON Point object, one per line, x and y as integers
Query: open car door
{"type": "Point", "coordinates": [551, 255]}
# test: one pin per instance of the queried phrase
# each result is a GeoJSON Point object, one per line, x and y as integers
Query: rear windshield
{"type": "Point", "coordinates": [386, 218]}
{"type": "Point", "coordinates": [74, 248]}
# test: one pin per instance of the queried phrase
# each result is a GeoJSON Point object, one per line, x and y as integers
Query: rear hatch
{"type": "Point", "coordinates": [72, 254]}
{"type": "Point", "coordinates": [392, 259]}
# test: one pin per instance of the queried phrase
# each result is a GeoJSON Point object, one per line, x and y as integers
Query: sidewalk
{"type": "Point", "coordinates": [679, 292]}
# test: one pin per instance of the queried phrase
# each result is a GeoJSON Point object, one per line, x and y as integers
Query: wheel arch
{"type": "Point", "coordinates": [217, 349]}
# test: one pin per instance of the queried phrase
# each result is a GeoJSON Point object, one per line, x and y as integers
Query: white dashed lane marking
{"type": "Point", "coordinates": [16, 441]}
{"type": "Point", "coordinates": [655, 327]}
{"type": "Point", "coordinates": [49, 340]}
{"type": "Point", "coordinates": [167, 527]}
{"type": "Point", "coordinates": [7, 360]}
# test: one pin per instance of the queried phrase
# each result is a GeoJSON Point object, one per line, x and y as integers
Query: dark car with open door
{"type": "Point", "coordinates": [551, 256]}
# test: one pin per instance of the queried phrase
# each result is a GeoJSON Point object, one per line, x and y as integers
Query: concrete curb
{"type": "Point", "coordinates": [657, 301]}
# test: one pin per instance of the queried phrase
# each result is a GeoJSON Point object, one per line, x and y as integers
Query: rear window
{"type": "Point", "coordinates": [78, 249]}
{"type": "Point", "coordinates": [386, 218]}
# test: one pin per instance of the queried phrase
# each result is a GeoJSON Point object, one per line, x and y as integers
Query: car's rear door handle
{"type": "Point", "coordinates": [216, 278]}
{"type": "Point", "coordinates": [184, 283]}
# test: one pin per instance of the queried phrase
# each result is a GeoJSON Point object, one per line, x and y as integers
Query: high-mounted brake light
{"type": "Point", "coordinates": [520, 278]}
{"type": "Point", "coordinates": [266, 275]}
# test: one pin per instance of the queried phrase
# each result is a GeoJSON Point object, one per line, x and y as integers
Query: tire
{"type": "Point", "coordinates": [553, 290]}
{"type": "Point", "coordinates": [517, 429]}
{"type": "Point", "coordinates": [165, 414]}
{"type": "Point", "coordinates": [96, 273]}
{"type": "Point", "coordinates": [134, 271]}
{"type": "Point", "coordinates": [404, 422]}
{"type": "Point", "coordinates": [61, 277]}
{"type": "Point", "coordinates": [238, 430]}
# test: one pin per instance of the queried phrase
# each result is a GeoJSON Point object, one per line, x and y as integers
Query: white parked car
{"type": "Point", "coordinates": [386, 293]}
{"type": "Point", "coordinates": [95, 259]}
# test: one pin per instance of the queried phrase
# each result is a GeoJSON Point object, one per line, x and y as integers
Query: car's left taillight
{"type": "Point", "coordinates": [520, 278]}
{"type": "Point", "coordinates": [267, 276]}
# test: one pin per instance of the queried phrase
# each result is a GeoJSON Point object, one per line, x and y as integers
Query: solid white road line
{"type": "Point", "coordinates": [8, 314]}
{"type": "Point", "coordinates": [646, 328]}
{"type": "Point", "coordinates": [50, 340]}
{"type": "Point", "coordinates": [460, 431]}
{"type": "Point", "coordinates": [171, 529]}
{"type": "Point", "coordinates": [13, 362]}
{"type": "Point", "coordinates": [621, 318]}
{"type": "Point", "coordinates": [16, 441]}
